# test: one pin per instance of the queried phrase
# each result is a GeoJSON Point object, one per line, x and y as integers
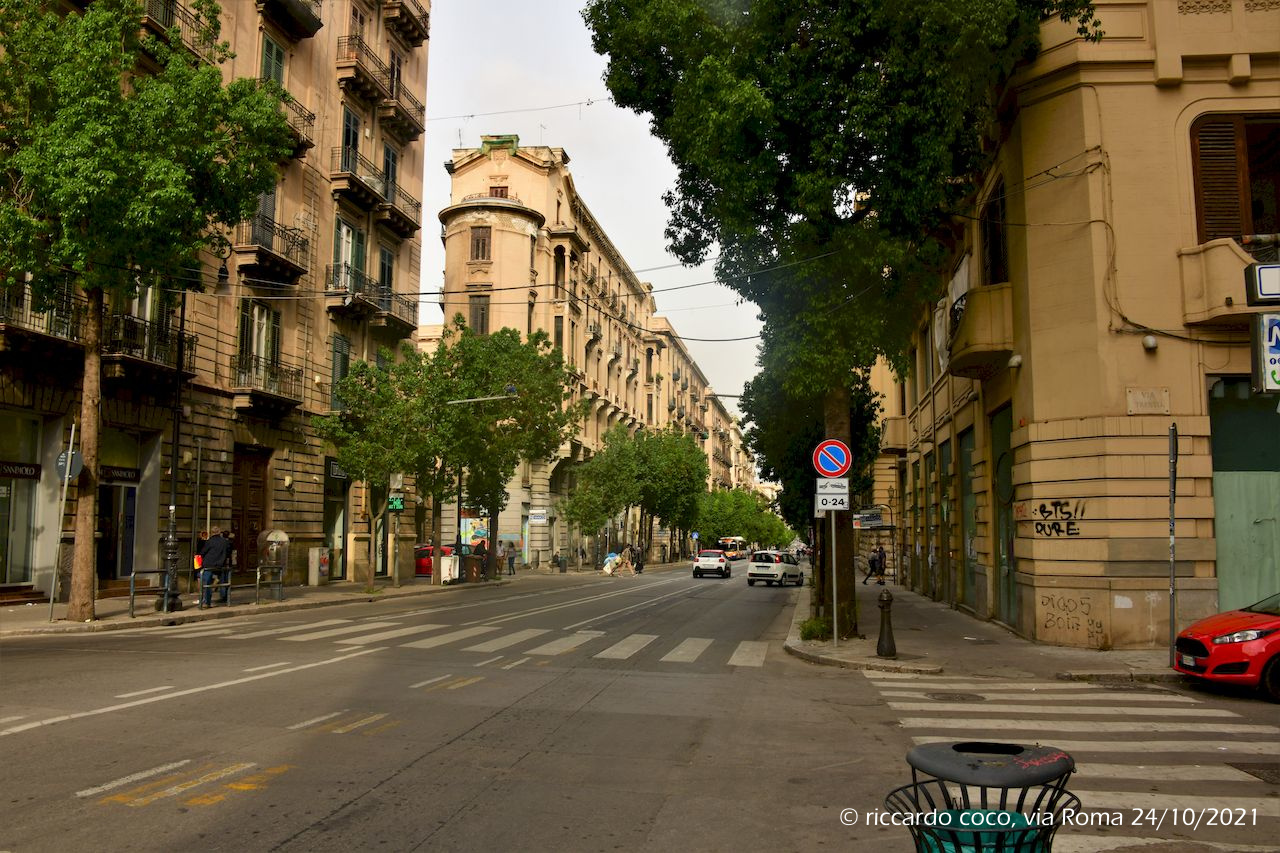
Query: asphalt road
{"type": "Point", "coordinates": [655, 712]}
{"type": "Point", "coordinates": [648, 713]}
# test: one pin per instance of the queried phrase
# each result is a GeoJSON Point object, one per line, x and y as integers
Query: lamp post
{"type": "Point", "coordinates": [170, 600]}
{"type": "Point", "coordinates": [509, 392]}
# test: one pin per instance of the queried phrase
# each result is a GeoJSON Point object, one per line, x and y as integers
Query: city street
{"type": "Point", "coordinates": [575, 712]}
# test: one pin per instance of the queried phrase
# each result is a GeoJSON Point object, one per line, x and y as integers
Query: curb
{"type": "Point", "coordinates": [878, 665]}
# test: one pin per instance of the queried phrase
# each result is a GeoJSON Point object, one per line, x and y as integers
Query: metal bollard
{"type": "Point", "coordinates": [885, 647]}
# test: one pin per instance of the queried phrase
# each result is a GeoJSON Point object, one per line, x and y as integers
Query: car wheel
{"type": "Point", "coordinates": [1270, 681]}
{"type": "Point", "coordinates": [750, 582]}
{"type": "Point", "coordinates": [800, 580]}
{"type": "Point", "coordinates": [695, 574]}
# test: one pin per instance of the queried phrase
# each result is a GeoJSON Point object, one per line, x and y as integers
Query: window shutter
{"type": "Point", "coordinates": [1222, 208]}
{"type": "Point", "coordinates": [246, 330]}
{"type": "Point", "coordinates": [274, 353]}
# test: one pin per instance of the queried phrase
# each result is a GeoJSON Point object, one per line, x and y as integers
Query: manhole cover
{"type": "Point", "coordinates": [1269, 773]}
{"type": "Point", "coordinates": [955, 697]}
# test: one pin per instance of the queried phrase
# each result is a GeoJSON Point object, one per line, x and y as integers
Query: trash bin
{"type": "Point", "coordinates": [471, 565]}
{"type": "Point", "coordinates": [975, 796]}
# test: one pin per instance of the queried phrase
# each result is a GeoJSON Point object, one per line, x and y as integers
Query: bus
{"type": "Point", "coordinates": [734, 547]}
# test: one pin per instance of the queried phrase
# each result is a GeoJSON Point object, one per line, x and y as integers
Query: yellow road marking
{"type": "Point", "coordinates": [382, 728]}
{"type": "Point", "coordinates": [183, 787]}
{"type": "Point", "coordinates": [249, 783]}
{"type": "Point", "coordinates": [342, 730]}
{"type": "Point", "coordinates": [463, 682]}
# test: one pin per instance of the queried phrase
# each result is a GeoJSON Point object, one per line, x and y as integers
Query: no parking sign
{"type": "Point", "coordinates": [832, 458]}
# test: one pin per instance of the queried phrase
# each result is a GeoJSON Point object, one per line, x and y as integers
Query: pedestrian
{"type": "Point", "coordinates": [871, 566]}
{"type": "Point", "coordinates": [482, 551]}
{"type": "Point", "coordinates": [881, 562]}
{"type": "Point", "coordinates": [214, 567]}
{"type": "Point", "coordinates": [511, 559]}
{"type": "Point", "coordinates": [500, 554]}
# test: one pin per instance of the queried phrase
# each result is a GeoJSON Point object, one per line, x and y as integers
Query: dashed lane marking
{"type": "Point", "coordinates": [350, 727]}
{"type": "Point", "coordinates": [160, 689]}
{"type": "Point", "coordinates": [130, 779]}
{"type": "Point", "coordinates": [311, 722]}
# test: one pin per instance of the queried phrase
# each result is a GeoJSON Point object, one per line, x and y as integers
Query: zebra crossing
{"type": "Point", "coordinates": [490, 639]}
{"type": "Point", "coordinates": [1141, 752]}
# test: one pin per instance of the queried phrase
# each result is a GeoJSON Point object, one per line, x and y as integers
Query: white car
{"type": "Point", "coordinates": [774, 567]}
{"type": "Point", "coordinates": [712, 563]}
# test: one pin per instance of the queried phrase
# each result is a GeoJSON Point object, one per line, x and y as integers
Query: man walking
{"type": "Point", "coordinates": [511, 559]}
{"type": "Point", "coordinates": [214, 558]}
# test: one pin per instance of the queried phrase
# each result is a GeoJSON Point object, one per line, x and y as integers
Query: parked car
{"type": "Point", "coordinates": [1236, 647]}
{"type": "Point", "coordinates": [712, 562]}
{"type": "Point", "coordinates": [774, 567]}
{"type": "Point", "coordinates": [424, 557]}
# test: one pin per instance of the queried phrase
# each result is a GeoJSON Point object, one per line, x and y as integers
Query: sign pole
{"type": "Point", "coordinates": [1173, 494]}
{"type": "Point", "coordinates": [835, 587]}
{"type": "Point", "coordinates": [62, 508]}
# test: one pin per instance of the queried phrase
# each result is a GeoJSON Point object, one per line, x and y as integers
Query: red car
{"type": "Point", "coordinates": [422, 559]}
{"type": "Point", "coordinates": [1236, 647]}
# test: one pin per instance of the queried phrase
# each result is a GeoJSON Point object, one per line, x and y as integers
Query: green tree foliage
{"type": "Point", "coordinates": [111, 177]}
{"type": "Point", "coordinates": [737, 512]}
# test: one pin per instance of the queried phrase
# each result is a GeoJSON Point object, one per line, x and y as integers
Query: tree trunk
{"type": "Point", "coordinates": [844, 594]}
{"type": "Point", "coordinates": [489, 555]}
{"type": "Point", "coordinates": [84, 563]}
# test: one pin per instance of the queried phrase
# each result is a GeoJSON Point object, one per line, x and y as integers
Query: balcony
{"type": "Point", "coordinates": [399, 212]}
{"type": "Point", "coordinates": [594, 333]}
{"type": "Point", "coordinates": [403, 115]}
{"type": "Point", "coordinates": [302, 124]}
{"type": "Point", "coordinates": [356, 179]}
{"type": "Point", "coordinates": [42, 333]}
{"type": "Point", "coordinates": [350, 293]}
{"type": "Point", "coordinates": [161, 17]}
{"type": "Point", "coordinates": [982, 339]}
{"type": "Point", "coordinates": [633, 367]}
{"type": "Point", "coordinates": [893, 435]}
{"type": "Point", "coordinates": [143, 350]}
{"type": "Point", "coordinates": [1213, 290]}
{"type": "Point", "coordinates": [396, 313]}
{"type": "Point", "coordinates": [264, 386]}
{"type": "Point", "coordinates": [269, 252]}
{"type": "Point", "coordinates": [299, 19]}
{"type": "Point", "coordinates": [407, 19]}
{"type": "Point", "coordinates": [361, 72]}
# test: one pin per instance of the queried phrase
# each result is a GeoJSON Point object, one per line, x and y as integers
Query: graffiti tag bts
{"type": "Point", "coordinates": [1053, 519]}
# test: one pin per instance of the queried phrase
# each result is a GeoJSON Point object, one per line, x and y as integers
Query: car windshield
{"type": "Point", "coordinates": [1270, 606]}
{"type": "Point", "coordinates": [711, 553]}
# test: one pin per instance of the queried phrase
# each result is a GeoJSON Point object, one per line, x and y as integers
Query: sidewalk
{"type": "Point", "coordinates": [932, 638]}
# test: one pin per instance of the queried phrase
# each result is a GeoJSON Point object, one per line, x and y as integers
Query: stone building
{"type": "Point", "coordinates": [523, 250]}
{"type": "Point", "coordinates": [326, 271]}
{"type": "Point", "coordinates": [1097, 298]}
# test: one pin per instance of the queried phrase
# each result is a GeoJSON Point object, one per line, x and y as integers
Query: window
{"type": "Point", "coordinates": [390, 170]}
{"type": "Point", "coordinates": [386, 270]}
{"type": "Point", "coordinates": [479, 314]}
{"type": "Point", "coordinates": [259, 332]}
{"type": "Point", "coordinates": [559, 333]}
{"type": "Point", "coordinates": [396, 66]}
{"type": "Point", "coordinates": [529, 330]}
{"type": "Point", "coordinates": [350, 139]}
{"type": "Point", "coordinates": [348, 257]}
{"type": "Point", "coordinates": [359, 18]}
{"type": "Point", "coordinates": [272, 60]}
{"type": "Point", "coordinates": [995, 249]}
{"type": "Point", "coordinates": [497, 192]}
{"type": "Point", "coordinates": [341, 367]}
{"type": "Point", "coordinates": [481, 235]}
{"type": "Point", "coordinates": [1237, 174]}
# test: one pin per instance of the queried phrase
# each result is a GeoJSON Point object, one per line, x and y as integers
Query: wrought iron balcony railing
{"type": "Point", "coordinates": [261, 230]}
{"type": "Point", "coordinates": [194, 33]}
{"type": "Point", "coordinates": [354, 50]}
{"type": "Point", "coordinates": [251, 372]}
{"type": "Point", "coordinates": [351, 161]}
{"type": "Point", "coordinates": [405, 203]}
{"type": "Point", "coordinates": [60, 316]}
{"type": "Point", "coordinates": [148, 340]}
{"type": "Point", "coordinates": [346, 280]}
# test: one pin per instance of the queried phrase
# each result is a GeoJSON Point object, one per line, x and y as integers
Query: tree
{"type": "Point", "coordinates": [113, 180]}
{"type": "Point", "coordinates": [821, 151]}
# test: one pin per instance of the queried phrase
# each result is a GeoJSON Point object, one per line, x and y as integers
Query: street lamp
{"type": "Point", "coordinates": [170, 600]}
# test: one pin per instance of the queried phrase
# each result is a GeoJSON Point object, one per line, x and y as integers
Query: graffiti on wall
{"type": "Point", "coordinates": [1071, 617]}
{"type": "Point", "coordinates": [1055, 519]}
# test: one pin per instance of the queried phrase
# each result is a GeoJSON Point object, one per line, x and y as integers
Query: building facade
{"type": "Point", "coordinates": [1096, 300]}
{"type": "Point", "coordinates": [523, 250]}
{"type": "Point", "coordinates": [326, 271]}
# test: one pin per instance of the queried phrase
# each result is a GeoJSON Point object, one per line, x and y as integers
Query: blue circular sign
{"type": "Point", "coordinates": [832, 458]}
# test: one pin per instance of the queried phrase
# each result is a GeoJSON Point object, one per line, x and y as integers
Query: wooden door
{"type": "Point", "coordinates": [248, 504]}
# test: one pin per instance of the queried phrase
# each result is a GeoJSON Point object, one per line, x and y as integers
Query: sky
{"type": "Point", "coordinates": [503, 67]}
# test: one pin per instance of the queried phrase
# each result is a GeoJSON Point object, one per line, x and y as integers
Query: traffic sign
{"type": "Point", "coordinates": [832, 458]}
{"type": "Point", "coordinates": [395, 502]}
{"type": "Point", "coordinates": [830, 503]}
{"type": "Point", "coordinates": [834, 486]}
{"type": "Point", "coordinates": [694, 536]}
{"type": "Point", "coordinates": [77, 465]}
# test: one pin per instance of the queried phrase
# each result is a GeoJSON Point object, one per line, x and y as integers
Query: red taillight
{"type": "Point", "coordinates": [722, 559]}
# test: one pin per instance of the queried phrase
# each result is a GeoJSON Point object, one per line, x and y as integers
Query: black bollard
{"type": "Point", "coordinates": [885, 648]}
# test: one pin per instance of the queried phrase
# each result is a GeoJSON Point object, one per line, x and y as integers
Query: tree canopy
{"type": "Point", "coordinates": [121, 159]}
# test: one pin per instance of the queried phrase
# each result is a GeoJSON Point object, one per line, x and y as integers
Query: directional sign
{"type": "Point", "coordinates": [1267, 354]}
{"type": "Point", "coordinates": [834, 486]}
{"type": "Point", "coordinates": [1262, 284]}
{"type": "Point", "coordinates": [832, 458]}
{"type": "Point", "coordinates": [830, 503]}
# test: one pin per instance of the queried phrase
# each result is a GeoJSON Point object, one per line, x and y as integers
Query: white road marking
{"type": "Point", "coordinates": [338, 632]}
{"type": "Point", "coordinates": [291, 629]}
{"type": "Point", "coordinates": [1163, 772]}
{"type": "Point", "coordinates": [515, 664]}
{"type": "Point", "coordinates": [508, 640]}
{"type": "Point", "coordinates": [452, 636]}
{"type": "Point", "coordinates": [4, 720]}
{"type": "Point", "coordinates": [1109, 747]}
{"type": "Point", "coordinates": [160, 689]}
{"type": "Point", "coordinates": [183, 787]}
{"type": "Point", "coordinates": [389, 635]}
{"type": "Point", "coordinates": [134, 777]}
{"type": "Point", "coordinates": [646, 603]}
{"type": "Point", "coordinates": [350, 727]}
{"type": "Point", "coordinates": [688, 651]}
{"type": "Point", "coordinates": [1109, 711]}
{"type": "Point", "coordinates": [565, 644]}
{"type": "Point", "coordinates": [266, 666]}
{"type": "Point", "coordinates": [749, 653]}
{"type": "Point", "coordinates": [48, 721]}
{"type": "Point", "coordinates": [980, 724]}
{"type": "Point", "coordinates": [1090, 696]}
{"type": "Point", "coordinates": [627, 647]}
{"type": "Point", "coordinates": [430, 681]}
{"type": "Point", "coordinates": [917, 682]}
{"type": "Point", "coordinates": [631, 589]}
{"type": "Point", "coordinates": [314, 720]}
{"type": "Point", "coordinates": [490, 660]}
